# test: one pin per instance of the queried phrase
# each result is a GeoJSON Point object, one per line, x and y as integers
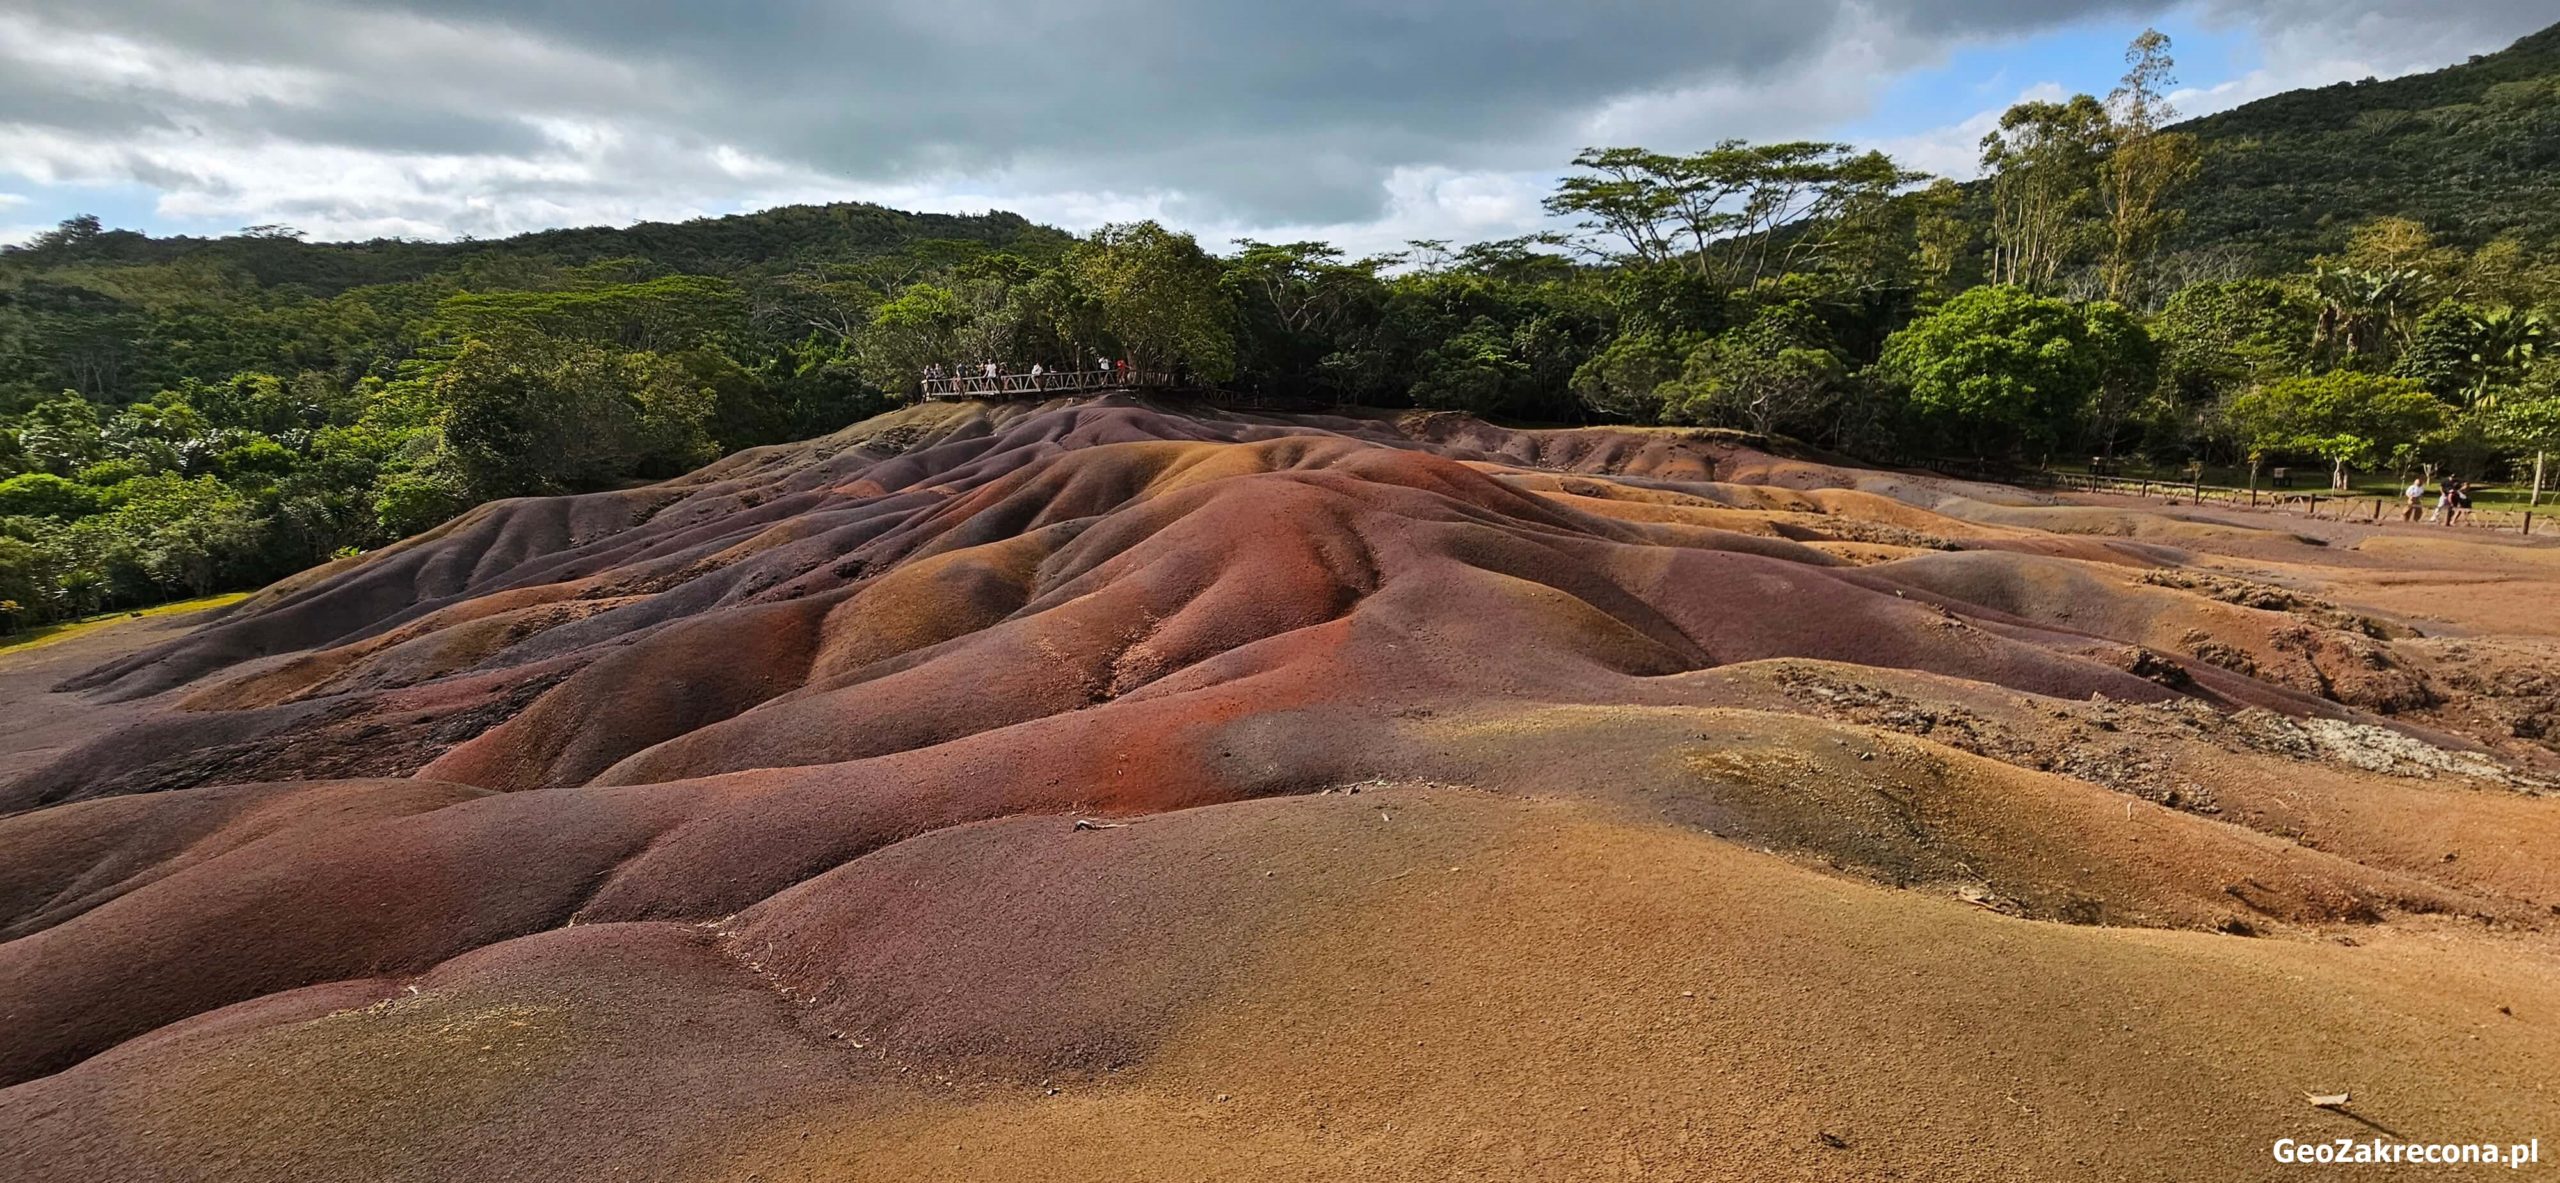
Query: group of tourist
{"type": "Point", "coordinates": [1118, 370]}
{"type": "Point", "coordinates": [2453, 502]}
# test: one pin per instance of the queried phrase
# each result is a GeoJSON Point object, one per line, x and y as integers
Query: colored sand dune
{"type": "Point", "coordinates": [1102, 790]}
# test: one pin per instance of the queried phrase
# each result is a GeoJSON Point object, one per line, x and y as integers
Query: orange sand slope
{"type": "Point", "coordinates": [1098, 790]}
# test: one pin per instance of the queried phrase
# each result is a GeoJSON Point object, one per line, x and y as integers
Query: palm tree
{"type": "Point", "coordinates": [2365, 312]}
{"type": "Point", "coordinates": [2506, 342]}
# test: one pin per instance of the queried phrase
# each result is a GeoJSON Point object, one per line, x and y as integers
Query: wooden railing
{"type": "Point", "coordinates": [2322, 503]}
{"type": "Point", "coordinates": [1054, 382]}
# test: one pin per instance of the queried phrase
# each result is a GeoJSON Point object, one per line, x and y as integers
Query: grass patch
{"type": "Point", "coordinates": [43, 634]}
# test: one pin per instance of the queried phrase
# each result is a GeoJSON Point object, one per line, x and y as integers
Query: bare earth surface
{"type": "Point", "coordinates": [1111, 791]}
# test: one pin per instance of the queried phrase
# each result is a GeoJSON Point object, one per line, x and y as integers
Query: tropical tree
{"type": "Point", "coordinates": [531, 414]}
{"type": "Point", "coordinates": [2443, 352]}
{"type": "Point", "coordinates": [2219, 338]}
{"type": "Point", "coordinates": [2143, 166]}
{"type": "Point", "coordinates": [2509, 341]}
{"type": "Point", "coordinates": [2365, 313]}
{"type": "Point", "coordinates": [2527, 427]}
{"type": "Point", "coordinates": [2351, 419]}
{"type": "Point", "coordinates": [1996, 364]}
{"type": "Point", "coordinates": [1626, 378]}
{"type": "Point", "coordinates": [166, 535]}
{"type": "Point", "coordinates": [2469, 356]}
{"type": "Point", "coordinates": [44, 495]}
{"type": "Point", "coordinates": [1946, 243]}
{"type": "Point", "coordinates": [1159, 298]}
{"type": "Point", "coordinates": [2125, 360]}
{"type": "Point", "coordinates": [1774, 374]}
{"type": "Point", "coordinates": [32, 587]}
{"type": "Point", "coordinates": [2528, 421]}
{"type": "Point", "coordinates": [1735, 213]}
{"type": "Point", "coordinates": [667, 314]}
{"type": "Point", "coordinates": [60, 435]}
{"type": "Point", "coordinates": [2404, 244]}
{"type": "Point", "coordinates": [1474, 371]}
{"type": "Point", "coordinates": [164, 434]}
{"type": "Point", "coordinates": [921, 327]}
{"type": "Point", "coordinates": [1297, 305]}
{"type": "Point", "coordinates": [1627, 195]}
{"type": "Point", "coordinates": [2044, 162]}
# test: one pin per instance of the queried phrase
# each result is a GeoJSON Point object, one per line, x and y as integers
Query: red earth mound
{"type": "Point", "coordinates": [1111, 790]}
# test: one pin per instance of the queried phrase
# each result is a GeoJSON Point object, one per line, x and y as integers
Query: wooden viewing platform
{"type": "Point", "coordinates": [1058, 382]}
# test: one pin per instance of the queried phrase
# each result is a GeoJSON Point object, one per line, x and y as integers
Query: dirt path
{"type": "Point", "coordinates": [43, 723]}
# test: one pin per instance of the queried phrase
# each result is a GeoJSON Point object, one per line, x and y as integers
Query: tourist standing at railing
{"type": "Point", "coordinates": [2416, 495]}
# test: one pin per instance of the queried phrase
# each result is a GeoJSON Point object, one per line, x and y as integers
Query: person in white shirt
{"type": "Point", "coordinates": [2417, 497]}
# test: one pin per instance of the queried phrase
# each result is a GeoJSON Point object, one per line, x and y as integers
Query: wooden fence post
{"type": "Point", "coordinates": [2535, 502]}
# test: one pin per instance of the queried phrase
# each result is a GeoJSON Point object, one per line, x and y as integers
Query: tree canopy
{"type": "Point", "coordinates": [2365, 274]}
{"type": "Point", "coordinates": [2348, 418]}
{"type": "Point", "coordinates": [2002, 362]}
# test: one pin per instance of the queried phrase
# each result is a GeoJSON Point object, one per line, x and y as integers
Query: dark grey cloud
{"type": "Point", "coordinates": [1247, 113]}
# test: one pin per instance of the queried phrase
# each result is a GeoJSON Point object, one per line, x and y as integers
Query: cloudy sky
{"type": "Point", "coordinates": [1365, 121]}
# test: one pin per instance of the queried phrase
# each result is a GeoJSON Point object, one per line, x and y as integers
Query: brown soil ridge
{"type": "Point", "coordinates": [1107, 789]}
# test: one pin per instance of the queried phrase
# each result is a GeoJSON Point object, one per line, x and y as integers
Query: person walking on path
{"type": "Point", "coordinates": [2443, 516]}
{"type": "Point", "coordinates": [2417, 497]}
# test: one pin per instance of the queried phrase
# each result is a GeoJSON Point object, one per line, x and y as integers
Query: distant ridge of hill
{"type": "Point", "coordinates": [766, 240]}
{"type": "Point", "coordinates": [2472, 150]}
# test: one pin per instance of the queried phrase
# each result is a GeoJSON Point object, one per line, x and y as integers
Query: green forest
{"type": "Point", "coordinates": [2360, 278]}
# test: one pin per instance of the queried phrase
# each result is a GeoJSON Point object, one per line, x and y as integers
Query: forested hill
{"type": "Point", "coordinates": [179, 415]}
{"type": "Point", "coordinates": [770, 240]}
{"type": "Point", "coordinates": [2472, 151]}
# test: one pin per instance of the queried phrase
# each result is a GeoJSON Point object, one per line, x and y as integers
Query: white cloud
{"type": "Point", "coordinates": [1423, 202]}
{"type": "Point", "coordinates": [1443, 117]}
{"type": "Point", "coordinates": [1955, 150]}
{"type": "Point", "coordinates": [1366, 124]}
{"type": "Point", "coordinates": [1840, 82]}
{"type": "Point", "coordinates": [98, 63]}
{"type": "Point", "coordinates": [2354, 46]}
{"type": "Point", "coordinates": [13, 234]}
